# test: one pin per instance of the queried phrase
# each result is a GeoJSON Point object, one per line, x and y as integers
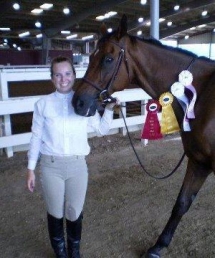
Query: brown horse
{"type": "Point", "coordinates": [121, 60]}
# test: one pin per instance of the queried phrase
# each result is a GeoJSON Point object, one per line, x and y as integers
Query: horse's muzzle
{"type": "Point", "coordinates": [84, 105]}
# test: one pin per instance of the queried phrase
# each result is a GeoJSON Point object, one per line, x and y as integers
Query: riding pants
{"type": "Point", "coordinates": [64, 184]}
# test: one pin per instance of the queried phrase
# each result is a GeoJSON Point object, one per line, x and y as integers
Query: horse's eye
{"type": "Point", "coordinates": [107, 63]}
{"type": "Point", "coordinates": [108, 59]}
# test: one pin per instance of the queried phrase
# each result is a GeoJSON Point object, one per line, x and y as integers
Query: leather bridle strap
{"type": "Point", "coordinates": [92, 84]}
{"type": "Point", "coordinates": [104, 92]}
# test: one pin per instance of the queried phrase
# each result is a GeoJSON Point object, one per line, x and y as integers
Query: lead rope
{"type": "Point", "coordinates": [137, 156]}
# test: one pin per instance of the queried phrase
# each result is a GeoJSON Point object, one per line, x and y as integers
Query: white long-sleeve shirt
{"type": "Point", "coordinates": [57, 130]}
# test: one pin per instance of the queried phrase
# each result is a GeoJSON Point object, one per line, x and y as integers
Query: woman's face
{"type": "Point", "coordinates": [63, 77]}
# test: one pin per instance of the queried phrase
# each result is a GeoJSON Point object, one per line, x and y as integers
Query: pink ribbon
{"type": "Point", "coordinates": [185, 106]}
{"type": "Point", "coordinates": [190, 110]}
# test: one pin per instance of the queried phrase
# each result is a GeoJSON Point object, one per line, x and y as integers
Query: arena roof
{"type": "Point", "coordinates": [81, 19]}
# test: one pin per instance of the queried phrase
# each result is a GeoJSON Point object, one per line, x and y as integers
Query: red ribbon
{"type": "Point", "coordinates": [151, 129]}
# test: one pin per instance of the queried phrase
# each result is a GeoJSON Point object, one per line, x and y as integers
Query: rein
{"type": "Point", "coordinates": [138, 158]}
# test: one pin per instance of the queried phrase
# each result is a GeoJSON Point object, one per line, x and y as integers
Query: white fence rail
{"type": "Point", "coordinates": [9, 106]}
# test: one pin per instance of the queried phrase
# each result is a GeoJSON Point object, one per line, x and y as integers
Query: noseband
{"type": "Point", "coordinates": [104, 95]}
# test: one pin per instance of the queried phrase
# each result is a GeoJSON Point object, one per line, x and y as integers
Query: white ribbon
{"type": "Point", "coordinates": [178, 90]}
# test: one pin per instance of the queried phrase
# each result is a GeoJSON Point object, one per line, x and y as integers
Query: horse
{"type": "Point", "coordinates": [121, 59]}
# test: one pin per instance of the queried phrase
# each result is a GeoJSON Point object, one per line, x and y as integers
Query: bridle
{"type": "Point", "coordinates": [104, 95]}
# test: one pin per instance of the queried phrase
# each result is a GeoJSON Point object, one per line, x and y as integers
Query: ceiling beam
{"type": "Point", "coordinates": [187, 7]}
{"type": "Point", "coordinates": [169, 32]}
{"type": "Point", "coordinates": [71, 21]}
{"type": "Point", "coordinates": [168, 13]}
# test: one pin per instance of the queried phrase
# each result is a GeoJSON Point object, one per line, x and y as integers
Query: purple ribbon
{"type": "Point", "coordinates": [190, 110]}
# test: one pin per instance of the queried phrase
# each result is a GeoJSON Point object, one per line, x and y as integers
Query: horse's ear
{"type": "Point", "coordinates": [103, 29]}
{"type": "Point", "coordinates": [123, 27]}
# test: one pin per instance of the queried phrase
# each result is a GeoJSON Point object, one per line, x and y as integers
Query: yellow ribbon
{"type": "Point", "coordinates": [169, 123]}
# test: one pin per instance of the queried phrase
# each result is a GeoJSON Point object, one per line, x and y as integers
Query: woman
{"type": "Point", "coordinates": [59, 137]}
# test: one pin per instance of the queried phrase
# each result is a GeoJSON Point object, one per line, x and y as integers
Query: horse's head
{"type": "Point", "coordinates": [107, 72]}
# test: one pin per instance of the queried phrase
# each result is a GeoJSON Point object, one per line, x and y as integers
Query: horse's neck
{"type": "Point", "coordinates": [157, 68]}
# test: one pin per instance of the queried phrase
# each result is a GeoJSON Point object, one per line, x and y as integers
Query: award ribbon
{"type": "Point", "coordinates": [169, 123]}
{"type": "Point", "coordinates": [186, 78]}
{"type": "Point", "coordinates": [151, 129]}
{"type": "Point", "coordinates": [190, 111]}
{"type": "Point", "coordinates": [186, 95]}
{"type": "Point", "coordinates": [178, 90]}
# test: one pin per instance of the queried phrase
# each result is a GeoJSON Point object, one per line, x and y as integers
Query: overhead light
{"type": "Point", "coordinates": [106, 16]}
{"type": "Point", "coordinates": [38, 24]}
{"type": "Point", "coordinates": [65, 32]}
{"type": "Point", "coordinates": [204, 13]}
{"type": "Point", "coordinates": [176, 7]}
{"type": "Point", "coordinates": [72, 36]}
{"type": "Point", "coordinates": [66, 10]}
{"type": "Point", "coordinates": [186, 37]}
{"type": "Point", "coordinates": [111, 13]}
{"type": "Point", "coordinates": [202, 26]}
{"type": "Point", "coordinates": [24, 34]}
{"type": "Point", "coordinates": [16, 6]}
{"type": "Point", "coordinates": [109, 30]}
{"type": "Point", "coordinates": [87, 37]}
{"type": "Point", "coordinates": [139, 32]}
{"type": "Point", "coordinates": [162, 19]}
{"type": "Point", "coordinates": [100, 17]}
{"type": "Point", "coordinates": [193, 28]}
{"type": "Point", "coordinates": [19, 49]}
{"type": "Point", "coordinates": [37, 11]}
{"type": "Point", "coordinates": [141, 19]}
{"type": "Point", "coordinates": [169, 23]}
{"type": "Point", "coordinates": [46, 6]}
{"type": "Point", "coordinates": [143, 2]}
{"type": "Point", "coordinates": [148, 23]}
{"type": "Point", "coordinates": [14, 45]}
{"type": "Point", "coordinates": [5, 29]}
{"type": "Point", "coordinates": [39, 35]}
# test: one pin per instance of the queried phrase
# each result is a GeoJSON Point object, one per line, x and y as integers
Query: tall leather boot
{"type": "Point", "coordinates": [56, 235]}
{"type": "Point", "coordinates": [73, 229]}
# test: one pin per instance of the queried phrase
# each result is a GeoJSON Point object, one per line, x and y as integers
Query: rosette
{"type": "Point", "coordinates": [177, 89]}
{"type": "Point", "coordinates": [169, 123]}
{"type": "Point", "coordinates": [151, 129]}
{"type": "Point", "coordinates": [185, 77]}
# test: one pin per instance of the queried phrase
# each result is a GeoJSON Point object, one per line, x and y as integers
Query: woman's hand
{"type": "Point", "coordinates": [30, 180]}
{"type": "Point", "coordinates": [110, 106]}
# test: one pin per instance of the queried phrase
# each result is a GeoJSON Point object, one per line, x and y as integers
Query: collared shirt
{"type": "Point", "coordinates": [57, 130]}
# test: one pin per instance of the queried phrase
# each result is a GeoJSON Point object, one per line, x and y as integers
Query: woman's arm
{"type": "Point", "coordinates": [102, 125]}
{"type": "Point", "coordinates": [35, 143]}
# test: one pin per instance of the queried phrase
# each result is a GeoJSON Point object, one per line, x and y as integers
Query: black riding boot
{"type": "Point", "coordinates": [56, 235]}
{"type": "Point", "coordinates": [74, 229]}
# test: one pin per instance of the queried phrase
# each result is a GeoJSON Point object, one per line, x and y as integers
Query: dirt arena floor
{"type": "Point", "coordinates": [125, 209]}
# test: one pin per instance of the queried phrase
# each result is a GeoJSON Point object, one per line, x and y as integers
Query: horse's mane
{"type": "Point", "coordinates": [156, 42]}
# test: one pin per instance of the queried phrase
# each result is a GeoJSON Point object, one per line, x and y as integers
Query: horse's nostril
{"type": "Point", "coordinates": [81, 103]}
